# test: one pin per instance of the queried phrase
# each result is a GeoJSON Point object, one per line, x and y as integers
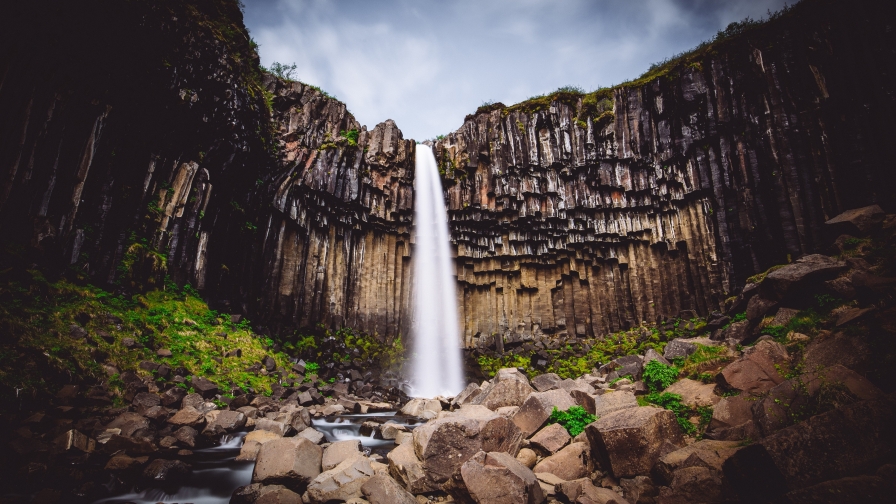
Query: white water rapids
{"type": "Point", "coordinates": [437, 366]}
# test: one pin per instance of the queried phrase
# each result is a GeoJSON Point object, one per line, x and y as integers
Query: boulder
{"type": "Point", "coordinates": [639, 490]}
{"type": "Point", "coordinates": [758, 308]}
{"type": "Point", "coordinates": [145, 400]}
{"type": "Point", "coordinates": [188, 416]}
{"type": "Point", "coordinates": [498, 478]}
{"type": "Point", "coordinates": [840, 443]}
{"type": "Point", "coordinates": [678, 348]}
{"type": "Point", "coordinates": [74, 440]}
{"type": "Point", "coordinates": [653, 355]}
{"type": "Point", "coordinates": [758, 370]}
{"type": "Point", "coordinates": [545, 382]}
{"type": "Point", "coordinates": [630, 441]}
{"type": "Point", "coordinates": [537, 407]}
{"type": "Point", "coordinates": [342, 482]}
{"type": "Point", "coordinates": [280, 428]}
{"type": "Point", "coordinates": [572, 462]}
{"type": "Point", "coordinates": [172, 397]}
{"type": "Point", "coordinates": [694, 484]}
{"type": "Point", "coordinates": [732, 420]}
{"type": "Point", "coordinates": [829, 349]}
{"type": "Point", "coordinates": [583, 491]}
{"type": "Point", "coordinates": [737, 333]}
{"type": "Point", "coordinates": [292, 462]}
{"type": "Point", "coordinates": [315, 436]}
{"type": "Point", "coordinates": [467, 395]}
{"type": "Point", "coordinates": [550, 439]}
{"type": "Point", "coordinates": [629, 365]}
{"type": "Point", "coordinates": [857, 222]}
{"type": "Point", "coordinates": [252, 443]}
{"type": "Point", "coordinates": [794, 399]}
{"type": "Point", "coordinates": [166, 473]}
{"type": "Point", "coordinates": [443, 445]}
{"type": "Point", "coordinates": [815, 267]}
{"type": "Point", "coordinates": [204, 387]}
{"type": "Point", "coordinates": [197, 402]}
{"type": "Point", "coordinates": [381, 489]}
{"type": "Point", "coordinates": [509, 391]}
{"type": "Point", "coordinates": [390, 430]}
{"type": "Point", "coordinates": [129, 423]}
{"type": "Point", "coordinates": [186, 435]}
{"type": "Point", "coordinates": [340, 451]}
{"type": "Point", "coordinates": [124, 463]}
{"type": "Point", "coordinates": [224, 422]}
{"type": "Point", "coordinates": [694, 393]}
{"type": "Point", "coordinates": [611, 402]}
{"type": "Point", "coordinates": [407, 469]}
{"type": "Point", "coordinates": [257, 493]}
{"type": "Point", "coordinates": [418, 407]}
{"type": "Point", "coordinates": [705, 453]}
{"type": "Point", "coordinates": [783, 316]}
{"type": "Point", "coordinates": [527, 457]}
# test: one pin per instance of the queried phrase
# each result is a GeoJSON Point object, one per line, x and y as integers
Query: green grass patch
{"type": "Point", "coordinates": [573, 420]}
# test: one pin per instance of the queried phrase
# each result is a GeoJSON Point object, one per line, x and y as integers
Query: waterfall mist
{"type": "Point", "coordinates": [437, 365]}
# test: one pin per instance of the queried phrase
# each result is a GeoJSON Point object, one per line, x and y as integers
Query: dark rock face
{"type": "Point", "coordinates": [696, 181]}
{"type": "Point", "coordinates": [148, 149]}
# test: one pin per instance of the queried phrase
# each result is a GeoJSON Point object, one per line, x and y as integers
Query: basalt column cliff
{"type": "Point", "coordinates": [585, 214]}
{"type": "Point", "coordinates": [140, 140]}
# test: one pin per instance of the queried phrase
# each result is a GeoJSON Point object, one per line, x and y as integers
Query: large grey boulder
{"type": "Point", "coordinates": [694, 393]}
{"type": "Point", "coordinates": [611, 402]}
{"type": "Point", "coordinates": [498, 478]}
{"type": "Point", "coordinates": [545, 382]}
{"type": "Point", "coordinates": [815, 267]}
{"type": "Point", "coordinates": [291, 462]}
{"type": "Point", "coordinates": [342, 482]}
{"type": "Point", "coordinates": [856, 222]}
{"type": "Point", "coordinates": [444, 444]}
{"type": "Point", "coordinates": [381, 489]}
{"type": "Point", "coordinates": [536, 409]}
{"type": "Point", "coordinates": [678, 348]}
{"type": "Point", "coordinates": [407, 469]}
{"type": "Point", "coordinates": [340, 451]}
{"type": "Point", "coordinates": [223, 422]}
{"type": "Point", "coordinates": [572, 462]}
{"type": "Point", "coordinates": [550, 439]}
{"type": "Point", "coordinates": [510, 388]}
{"type": "Point", "coordinates": [630, 441]}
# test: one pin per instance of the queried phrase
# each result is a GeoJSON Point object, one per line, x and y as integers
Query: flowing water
{"type": "Point", "coordinates": [216, 474]}
{"type": "Point", "coordinates": [437, 365]}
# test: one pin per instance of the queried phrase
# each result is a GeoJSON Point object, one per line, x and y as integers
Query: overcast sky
{"type": "Point", "coordinates": [428, 63]}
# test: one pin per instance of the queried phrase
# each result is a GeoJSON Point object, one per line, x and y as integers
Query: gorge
{"type": "Point", "coordinates": [193, 247]}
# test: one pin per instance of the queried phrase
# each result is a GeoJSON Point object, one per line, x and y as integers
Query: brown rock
{"type": "Point", "coordinates": [706, 453]}
{"type": "Point", "coordinates": [129, 423]}
{"type": "Point", "coordinates": [840, 443]}
{"type": "Point", "coordinates": [857, 222]}
{"type": "Point", "coordinates": [292, 462]}
{"type": "Point", "coordinates": [550, 439]}
{"type": "Point", "coordinates": [507, 392]}
{"type": "Point", "coordinates": [407, 469]}
{"type": "Point", "coordinates": [497, 478]}
{"type": "Point", "coordinates": [527, 457]}
{"type": "Point", "coordinates": [781, 282]}
{"type": "Point", "coordinates": [758, 370]}
{"type": "Point", "coordinates": [693, 484]}
{"type": "Point", "coordinates": [570, 463]}
{"type": "Point", "coordinates": [694, 393]}
{"type": "Point", "coordinates": [188, 416]}
{"type": "Point", "coordinates": [224, 422]}
{"type": "Point", "coordinates": [342, 482]}
{"type": "Point", "coordinates": [864, 488]}
{"type": "Point", "coordinates": [252, 443]}
{"type": "Point", "coordinates": [537, 407]}
{"type": "Point", "coordinates": [583, 491]}
{"type": "Point", "coordinates": [732, 420]}
{"type": "Point", "coordinates": [639, 490]}
{"type": "Point", "coordinates": [467, 395]}
{"type": "Point", "coordinates": [614, 401]}
{"type": "Point", "coordinates": [382, 489]}
{"type": "Point", "coordinates": [340, 451]}
{"type": "Point", "coordinates": [545, 382]}
{"type": "Point", "coordinates": [630, 441]}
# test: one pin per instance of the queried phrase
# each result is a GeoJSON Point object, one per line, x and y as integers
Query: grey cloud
{"type": "Point", "coordinates": [426, 64]}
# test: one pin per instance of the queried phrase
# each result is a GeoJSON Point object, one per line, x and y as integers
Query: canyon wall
{"type": "Point", "coordinates": [140, 140]}
{"type": "Point", "coordinates": [585, 214]}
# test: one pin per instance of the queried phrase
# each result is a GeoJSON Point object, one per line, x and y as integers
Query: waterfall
{"type": "Point", "coordinates": [437, 365]}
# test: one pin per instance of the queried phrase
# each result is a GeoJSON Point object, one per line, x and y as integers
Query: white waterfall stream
{"type": "Point", "coordinates": [437, 364]}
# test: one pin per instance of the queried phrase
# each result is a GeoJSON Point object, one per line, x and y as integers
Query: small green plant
{"type": "Point", "coordinates": [672, 402]}
{"type": "Point", "coordinates": [658, 376]}
{"type": "Point", "coordinates": [573, 420]}
{"type": "Point", "coordinates": [740, 317]}
{"type": "Point", "coordinates": [285, 72]}
{"type": "Point", "coordinates": [311, 368]}
{"type": "Point", "coordinates": [351, 136]}
{"type": "Point", "coordinates": [626, 377]}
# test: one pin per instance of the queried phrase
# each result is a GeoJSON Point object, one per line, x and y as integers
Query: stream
{"type": "Point", "coordinates": [216, 474]}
